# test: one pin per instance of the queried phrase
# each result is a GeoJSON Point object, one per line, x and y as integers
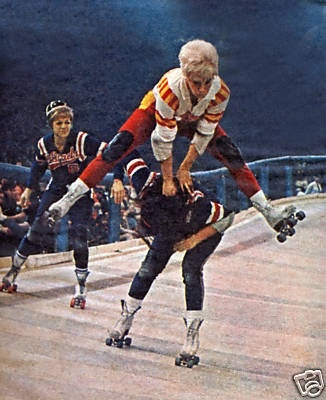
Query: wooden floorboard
{"type": "Point", "coordinates": [264, 323]}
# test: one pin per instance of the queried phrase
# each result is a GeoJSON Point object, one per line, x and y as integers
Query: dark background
{"type": "Point", "coordinates": [102, 56]}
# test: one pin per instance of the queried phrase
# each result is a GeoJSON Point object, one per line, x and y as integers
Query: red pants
{"type": "Point", "coordinates": [141, 124]}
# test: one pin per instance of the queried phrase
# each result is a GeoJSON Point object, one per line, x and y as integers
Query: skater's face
{"type": "Point", "coordinates": [61, 126]}
{"type": "Point", "coordinates": [199, 86]}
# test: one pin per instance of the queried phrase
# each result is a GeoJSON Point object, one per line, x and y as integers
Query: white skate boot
{"type": "Point", "coordinates": [60, 208]}
{"type": "Point", "coordinates": [79, 299]}
{"type": "Point", "coordinates": [281, 220]}
{"type": "Point", "coordinates": [8, 281]}
{"type": "Point", "coordinates": [187, 356]}
{"type": "Point", "coordinates": [122, 326]}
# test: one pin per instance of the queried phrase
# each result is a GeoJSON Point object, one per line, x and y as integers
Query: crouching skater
{"type": "Point", "coordinates": [185, 221]}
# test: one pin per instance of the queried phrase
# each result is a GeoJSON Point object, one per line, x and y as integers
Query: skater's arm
{"type": "Point", "coordinates": [169, 188]}
{"type": "Point", "coordinates": [195, 239]}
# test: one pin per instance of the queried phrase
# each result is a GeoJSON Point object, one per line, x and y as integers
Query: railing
{"type": "Point", "coordinates": [277, 177]}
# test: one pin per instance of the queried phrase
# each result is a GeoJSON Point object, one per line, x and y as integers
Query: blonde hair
{"type": "Point", "coordinates": [60, 109]}
{"type": "Point", "coordinates": [200, 57]}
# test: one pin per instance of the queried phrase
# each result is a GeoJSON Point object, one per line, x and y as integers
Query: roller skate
{"type": "Point", "coordinates": [285, 227]}
{"type": "Point", "coordinates": [79, 299]}
{"type": "Point", "coordinates": [8, 281]}
{"type": "Point", "coordinates": [187, 356]}
{"type": "Point", "coordinates": [60, 208]}
{"type": "Point", "coordinates": [118, 336]}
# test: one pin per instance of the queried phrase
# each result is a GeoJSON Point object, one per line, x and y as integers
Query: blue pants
{"type": "Point", "coordinates": [192, 269]}
{"type": "Point", "coordinates": [40, 235]}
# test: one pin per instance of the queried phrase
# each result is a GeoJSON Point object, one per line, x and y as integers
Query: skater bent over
{"type": "Point", "coordinates": [188, 101]}
{"type": "Point", "coordinates": [65, 153]}
{"type": "Point", "coordinates": [185, 221]}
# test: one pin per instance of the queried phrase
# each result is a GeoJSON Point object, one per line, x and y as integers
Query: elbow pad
{"type": "Point", "coordinates": [162, 149]}
{"type": "Point", "coordinates": [200, 142]}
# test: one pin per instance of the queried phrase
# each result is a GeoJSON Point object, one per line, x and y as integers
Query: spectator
{"type": "Point", "coordinates": [314, 186]}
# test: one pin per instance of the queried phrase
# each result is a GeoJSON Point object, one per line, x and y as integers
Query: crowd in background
{"type": "Point", "coordinates": [15, 221]}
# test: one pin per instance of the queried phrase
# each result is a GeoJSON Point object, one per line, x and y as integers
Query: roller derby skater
{"type": "Point", "coordinates": [197, 224]}
{"type": "Point", "coordinates": [79, 298]}
{"type": "Point", "coordinates": [65, 153]}
{"type": "Point", "coordinates": [187, 101]}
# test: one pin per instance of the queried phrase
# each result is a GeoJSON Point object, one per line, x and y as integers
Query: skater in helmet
{"type": "Point", "coordinates": [197, 225]}
{"type": "Point", "coordinates": [66, 154]}
{"type": "Point", "coordinates": [189, 101]}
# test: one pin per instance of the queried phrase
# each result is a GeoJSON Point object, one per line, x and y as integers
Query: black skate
{"type": "Point", "coordinates": [118, 336]}
{"type": "Point", "coordinates": [187, 361]}
{"type": "Point", "coordinates": [8, 282]}
{"type": "Point", "coordinates": [286, 226]}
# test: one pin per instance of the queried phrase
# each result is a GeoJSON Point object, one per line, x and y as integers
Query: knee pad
{"type": "Point", "coordinates": [229, 151]}
{"type": "Point", "coordinates": [118, 145]}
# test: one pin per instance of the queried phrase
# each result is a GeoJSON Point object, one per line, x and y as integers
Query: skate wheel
{"type": "Point", "coordinates": [72, 303]}
{"type": "Point", "coordinates": [82, 304]}
{"type": "Point", "coordinates": [128, 341]}
{"type": "Point", "coordinates": [190, 363]}
{"type": "Point", "coordinates": [291, 222]}
{"type": "Point", "coordinates": [177, 361]}
{"type": "Point", "coordinates": [300, 215]}
{"type": "Point", "coordinates": [109, 341]}
{"type": "Point", "coordinates": [119, 343]}
{"type": "Point", "coordinates": [281, 237]}
{"type": "Point", "coordinates": [12, 288]}
{"type": "Point", "coordinates": [291, 231]}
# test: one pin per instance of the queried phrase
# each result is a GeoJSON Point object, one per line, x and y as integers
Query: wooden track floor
{"type": "Point", "coordinates": [265, 322]}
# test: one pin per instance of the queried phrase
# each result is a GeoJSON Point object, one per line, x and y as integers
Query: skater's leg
{"type": "Point", "coordinates": [30, 244]}
{"type": "Point", "coordinates": [129, 308]}
{"type": "Point", "coordinates": [154, 263]}
{"type": "Point", "coordinates": [192, 271]}
{"type": "Point", "coordinates": [80, 215]}
{"type": "Point", "coordinates": [134, 132]}
{"type": "Point", "coordinates": [222, 148]}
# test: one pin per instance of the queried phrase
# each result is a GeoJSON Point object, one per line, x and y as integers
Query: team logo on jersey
{"type": "Point", "coordinates": [56, 160]}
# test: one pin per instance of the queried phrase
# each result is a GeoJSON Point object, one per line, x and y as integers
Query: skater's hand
{"type": "Point", "coordinates": [185, 180]}
{"type": "Point", "coordinates": [169, 188]}
{"type": "Point", "coordinates": [117, 191]}
{"type": "Point", "coordinates": [186, 244]}
{"type": "Point", "coordinates": [25, 197]}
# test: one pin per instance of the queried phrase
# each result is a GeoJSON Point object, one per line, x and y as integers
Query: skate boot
{"type": "Point", "coordinates": [187, 356]}
{"type": "Point", "coordinates": [60, 208]}
{"type": "Point", "coordinates": [122, 326]}
{"type": "Point", "coordinates": [79, 299]}
{"type": "Point", "coordinates": [8, 281]}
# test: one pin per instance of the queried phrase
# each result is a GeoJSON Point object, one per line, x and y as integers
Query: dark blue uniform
{"type": "Point", "coordinates": [65, 168]}
{"type": "Point", "coordinates": [169, 220]}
